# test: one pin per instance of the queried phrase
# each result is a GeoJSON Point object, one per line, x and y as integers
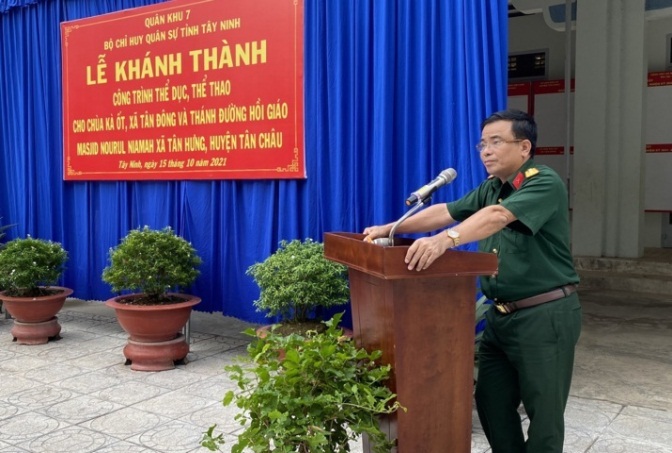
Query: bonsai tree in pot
{"type": "Point", "coordinates": [312, 393]}
{"type": "Point", "coordinates": [29, 269]}
{"type": "Point", "coordinates": [296, 282]}
{"type": "Point", "coordinates": [153, 265]}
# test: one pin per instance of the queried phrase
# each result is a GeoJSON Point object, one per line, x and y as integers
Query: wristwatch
{"type": "Point", "coordinates": [455, 236]}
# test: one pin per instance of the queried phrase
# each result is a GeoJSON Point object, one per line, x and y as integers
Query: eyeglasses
{"type": "Point", "coordinates": [495, 144]}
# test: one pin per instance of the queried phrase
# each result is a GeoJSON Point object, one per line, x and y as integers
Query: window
{"type": "Point", "coordinates": [530, 65]}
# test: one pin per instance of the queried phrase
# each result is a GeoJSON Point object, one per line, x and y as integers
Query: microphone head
{"type": "Point", "coordinates": [449, 174]}
{"type": "Point", "coordinates": [385, 242]}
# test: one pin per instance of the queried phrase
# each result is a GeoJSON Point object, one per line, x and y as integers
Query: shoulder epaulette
{"type": "Point", "coordinates": [520, 177]}
{"type": "Point", "coordinates": [531, 172]}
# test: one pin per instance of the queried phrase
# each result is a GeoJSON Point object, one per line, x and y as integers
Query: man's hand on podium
{"type": "Point", "coordinates": [424, 251]}
{"type": "Point", "coordinates": [377, 231]}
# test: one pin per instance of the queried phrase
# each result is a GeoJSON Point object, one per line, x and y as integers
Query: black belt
{"type": "Point", "coordinates": [559, 293]}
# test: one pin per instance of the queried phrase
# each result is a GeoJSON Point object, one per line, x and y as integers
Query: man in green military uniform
{"type": "Point", "coordinates": [521, 214]}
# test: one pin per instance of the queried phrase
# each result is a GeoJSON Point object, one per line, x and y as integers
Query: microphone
{"type": "Point", "coordinates": [445, 177]}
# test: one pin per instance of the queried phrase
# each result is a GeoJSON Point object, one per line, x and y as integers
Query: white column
{"type": "Point", "coordinates": [608, 209]}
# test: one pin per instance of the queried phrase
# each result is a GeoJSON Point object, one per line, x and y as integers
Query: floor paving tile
{"type": "Point", "coordinates": [210, 365]}
{"type": "Point", "coordinates": [26, 427]}
{"type": "Point", "coordinates": [21, 363]}
{"type": "Point", "coordinates": [40, 397]}
{"type": "Point", "coordinates": [578, 441]}
{"type": "Point", "coordinates": [102, 360]}
{"type": "Point", "coordinates": [621, 444]}
{"type": "Point", "coordinates": [130, 392]}
{"type": "Point", "coordinates": [80, 409]}
{"type": "Point", "coordinates": [59, 351]}
{"type": "Point", "coordinates": [72, 334]}
{"type": "Point", "coordinates": [175, 404]}
{"type": "Point", "coordinates": [174, 436]}
{"type": "Point", "coordinates": [216, 414]}
{"type": "Point", "coordinates": [124, 447]}
{"type": "Point", "coordinates": [643, 425]}
{"type": "Point", "coordinates": [7, 448]}
{"type": "Point", "coordinates": [77, 395]}
{"type": "Point", "coordinates": [212, 388]}
{"type": "Point", "coordinates": [68, 440]}
{"type": "Point", "coordinates": [54, 372]}
{"type": "Point", "coordinates": [12, 384]}
{"type": "Point", "coordinates": [170, 379]}
{"type": "Point", "coordinates": [8, 410]}
{"type": "Point", "coordinates": [126, 422]}
{"type": "Point", "coordinates": [6, 355]}
{"type": "Point", "coordinates": [93, 380]}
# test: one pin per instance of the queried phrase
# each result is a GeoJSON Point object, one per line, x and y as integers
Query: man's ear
{"type": "Point", "coordinates": [526, 147]}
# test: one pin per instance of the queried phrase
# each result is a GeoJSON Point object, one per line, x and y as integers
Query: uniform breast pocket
{"type": "Point", "coordinates": [514, 242]}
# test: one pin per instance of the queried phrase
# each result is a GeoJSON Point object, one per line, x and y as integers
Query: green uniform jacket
{"type": "Point", "coordinates": [533, 251]}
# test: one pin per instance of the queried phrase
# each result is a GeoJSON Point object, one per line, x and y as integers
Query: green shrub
{"type": "Point", "coordinates": [26, 264]}
{"type": "Point", "coordinates": [152, 262]}
{"type": "Point", "coordinates": [310, 393]}
{"type": "Point", "coordinates": [297, 279]}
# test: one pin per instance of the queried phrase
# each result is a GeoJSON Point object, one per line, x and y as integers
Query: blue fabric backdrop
{"type": "Point", "coordinates": [394, 93]}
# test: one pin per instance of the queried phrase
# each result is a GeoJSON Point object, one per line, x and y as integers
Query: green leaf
{"type": "Point", "coordinates": [228, 397]}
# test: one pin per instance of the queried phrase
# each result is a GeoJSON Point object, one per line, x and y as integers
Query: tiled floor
{"type": "Point", "coordinates": [76, 395]}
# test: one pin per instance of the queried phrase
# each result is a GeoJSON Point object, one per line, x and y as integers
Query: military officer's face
{"type": "Point", "coordinates": [501, 152]}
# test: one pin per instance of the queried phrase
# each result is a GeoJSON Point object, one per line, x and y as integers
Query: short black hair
{"type": "Point", "coordinates": [523, 125]}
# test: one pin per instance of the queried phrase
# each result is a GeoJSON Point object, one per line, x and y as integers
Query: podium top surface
{"type": "Point", "coordinates": [388, 262]}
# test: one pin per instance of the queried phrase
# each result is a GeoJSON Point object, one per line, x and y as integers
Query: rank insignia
{"type": "Point", "coordinates": [518, 180]}
{"type": "Point", "coordinates": [531, 172]}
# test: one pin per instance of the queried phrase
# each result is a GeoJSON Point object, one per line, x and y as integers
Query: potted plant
{"type": "Point", "coordinates": [3, 228]}
{"type": "Point", "coordinates": [296, 282]}
{"type": "Point", "coordinates": [29, 269]}
{"type": "Point", "coordinates": [150, 267]}
{"type": "Point", "coordinates": [319, 395]}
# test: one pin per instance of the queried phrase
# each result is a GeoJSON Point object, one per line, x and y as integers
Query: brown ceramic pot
{"type": "Point", "coordinates": [35, 320]}
{"type": "Point", "coordinates": [155, 339]}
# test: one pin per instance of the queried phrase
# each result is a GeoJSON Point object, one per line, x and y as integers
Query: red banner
{"type": "Point", "coordinates": [551, 86]}
{"type": "Point", "coordinates": [658, 79]}
{"type": "Point", "coordinates": [188, 89]}
{"type": "Point", "coordinates": [519, 89]}
{"type": "Point", "coordinates": [552, 150]}
{"type": "Point", "coordinates": [659, 148]}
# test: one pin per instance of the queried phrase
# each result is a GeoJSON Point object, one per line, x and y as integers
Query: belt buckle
{"type": "Point", "coordinates": [502, 309]}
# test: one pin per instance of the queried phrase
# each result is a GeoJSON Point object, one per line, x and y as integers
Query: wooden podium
{"type": "Point", "coordinates": [424, 323]}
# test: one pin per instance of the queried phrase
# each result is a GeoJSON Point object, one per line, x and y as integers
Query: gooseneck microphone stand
{"type": "Point", "coordinates": [389, 241]}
